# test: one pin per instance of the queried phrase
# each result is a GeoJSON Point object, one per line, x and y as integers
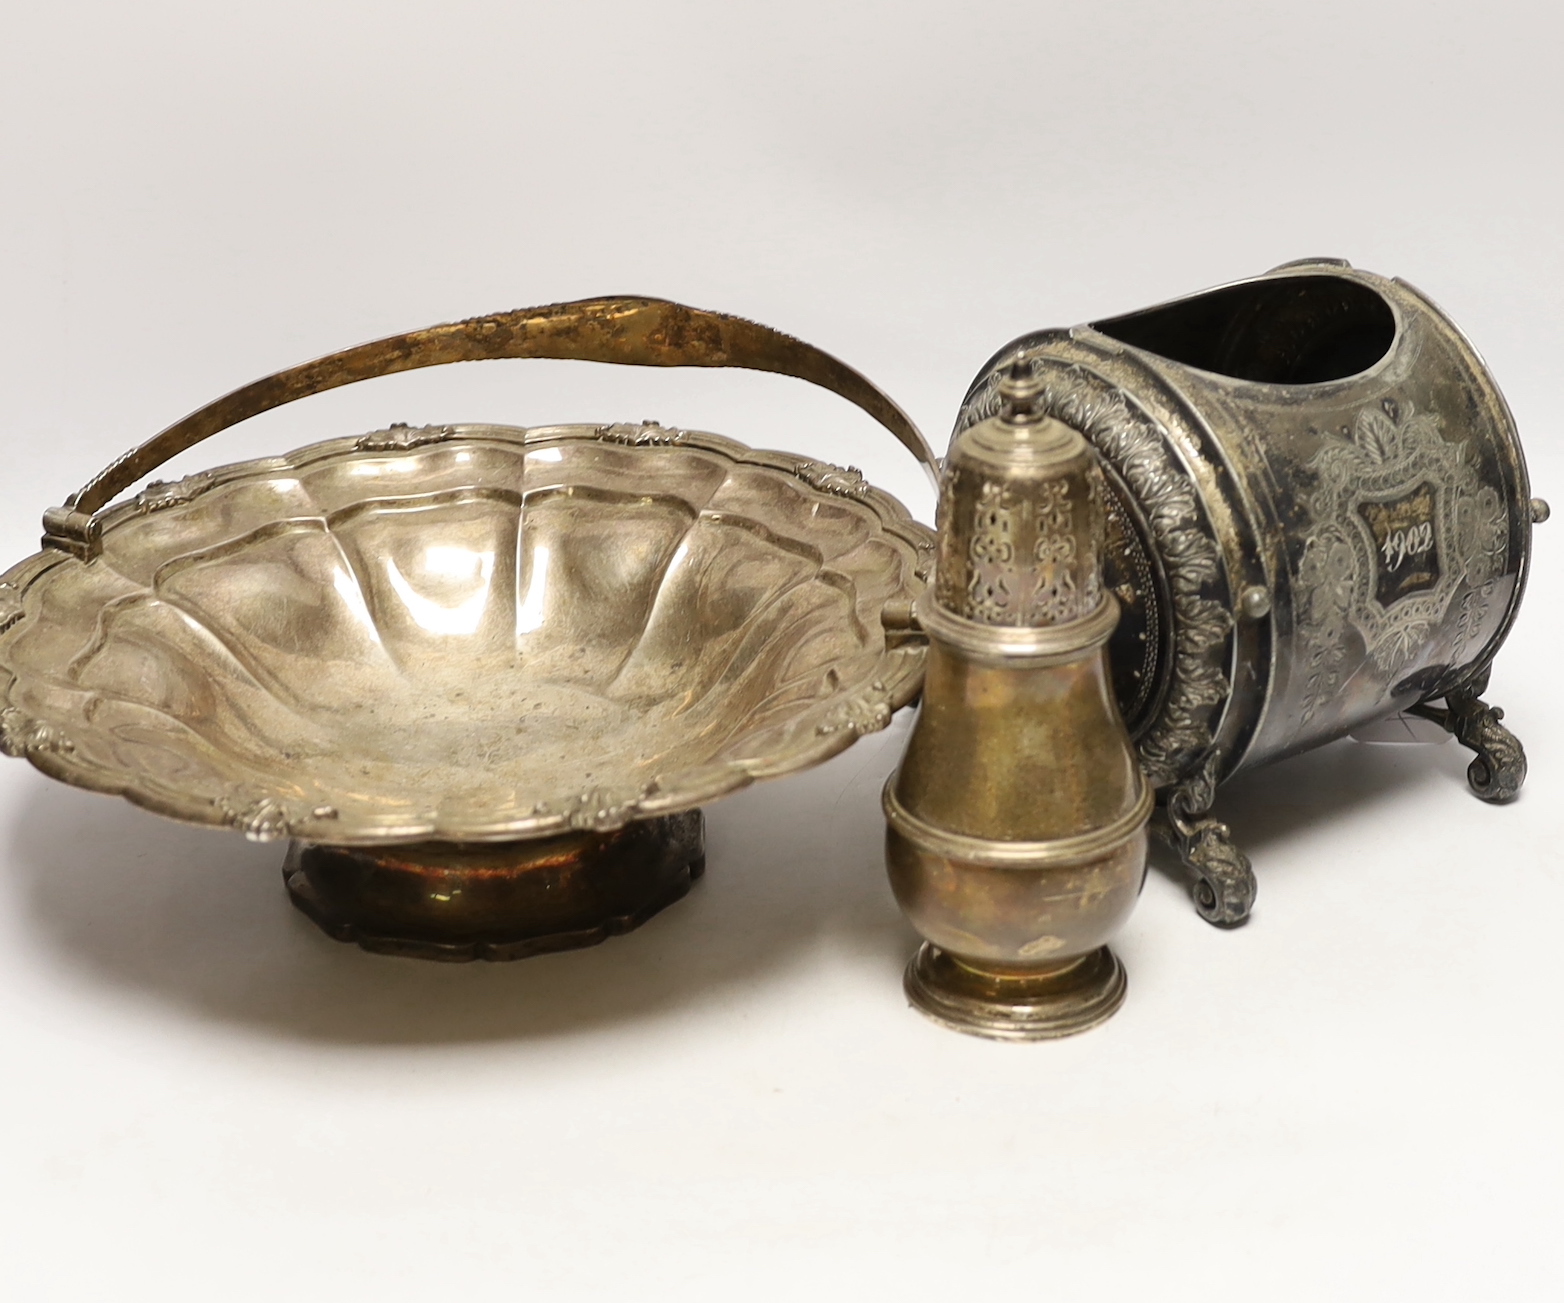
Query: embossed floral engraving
{"type": "Point", "coordinates": [1482, 537]}
{"type": "Point", "coordinates": [1401, 523]}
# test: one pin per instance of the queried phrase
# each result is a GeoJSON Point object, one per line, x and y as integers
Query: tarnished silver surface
{"type": "Point", "coordinates": [1016, 824]}
{"type": "Point", "coordinates": [625, 330]}
{"type": "Point", "coordinates": [481, 675]}
{"type": "Point", "coordinates": [1319, 515]}
{"type": "Point", "coordinates": [468, 633]}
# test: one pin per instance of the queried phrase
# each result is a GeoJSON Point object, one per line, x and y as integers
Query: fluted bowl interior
{"type": "Point", "coordinates": [468, 633]}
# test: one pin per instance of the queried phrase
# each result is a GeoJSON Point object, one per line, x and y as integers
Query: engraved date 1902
{"type": "Point", "coordinates": [1404, 543]}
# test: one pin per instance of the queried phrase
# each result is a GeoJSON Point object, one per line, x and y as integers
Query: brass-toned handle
{"type": "Point", "coordinates": [628, 331]}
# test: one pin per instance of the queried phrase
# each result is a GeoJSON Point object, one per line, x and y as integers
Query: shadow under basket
{"type": "Point", "coordinates": [446, 901]}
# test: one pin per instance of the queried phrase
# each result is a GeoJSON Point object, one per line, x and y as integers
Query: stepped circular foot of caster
{"type": "Point", "coordinates": [1016, 1004]}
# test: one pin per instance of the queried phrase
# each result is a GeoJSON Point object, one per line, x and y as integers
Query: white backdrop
{"type": "Point", "coordinates": [1355, 1096]}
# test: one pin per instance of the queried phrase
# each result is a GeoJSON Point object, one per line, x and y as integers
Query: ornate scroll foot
{"type": "Point", "coordinates": [1224, 885]}
{"type": "Point", "coordinates": [1500, 768]}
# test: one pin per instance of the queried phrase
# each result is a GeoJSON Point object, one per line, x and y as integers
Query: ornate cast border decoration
{"type": "Point", "coordinates": [1136, 446]}
{"type": "Point", "coordinates": [1393, 466]}
{"type": "Point", "coordinates": [648, 434]}
{"type": "Point", "coordinates": [867, 712]}
{"type": "Point", "coordinates": [270, 816]}
{"type": "Point", "coordinates": [401, 437]}
{"type": "Point", "coordinates": [24, 737]}
{"type": "Point", "coordinates": [844, 481]}
{"type": "Point", "coordinates": [162, 494]}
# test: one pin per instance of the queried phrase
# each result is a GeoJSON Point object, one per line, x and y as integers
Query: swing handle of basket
{"type": "Point", "coordinates": [627, 331]}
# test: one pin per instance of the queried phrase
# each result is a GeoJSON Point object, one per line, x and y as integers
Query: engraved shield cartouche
{"type": "Point", "coordinates": [1016, 839]}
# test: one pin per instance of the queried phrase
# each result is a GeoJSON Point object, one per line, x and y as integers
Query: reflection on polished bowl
{"type": "Point", "coordinates": [467, 635]}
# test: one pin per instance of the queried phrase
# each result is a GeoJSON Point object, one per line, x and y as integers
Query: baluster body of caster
{"type": "Point", "coordinates": [1016, 824]}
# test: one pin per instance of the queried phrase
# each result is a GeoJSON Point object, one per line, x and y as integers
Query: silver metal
{"type": "Point", "coordinates": [1255, 603]}
{"type": "Point", "coordinates": [483, 675]}
{"type": "Point", "coordinates": [467, 634]}
{"type": "Point", "coordinates": [628, 331]}
{"type": "Point", "coordinates": [1319, 515]}
{"type": "Point", "coordinates": [1016, 823]}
